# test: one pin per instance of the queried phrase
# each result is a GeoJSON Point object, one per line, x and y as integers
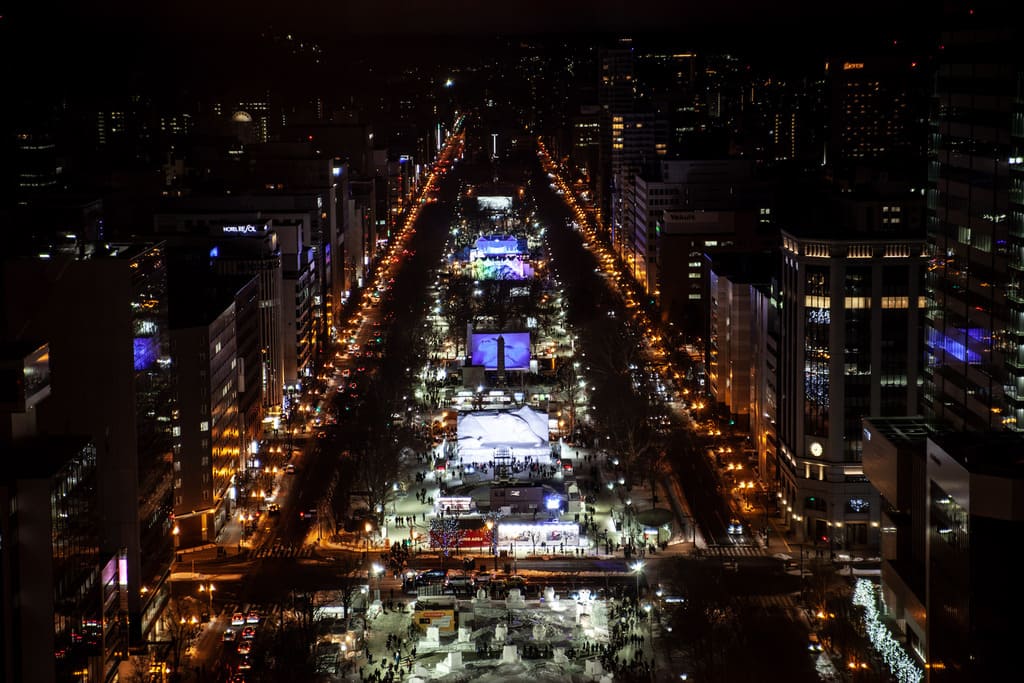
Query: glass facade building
{"type": "Point", "coordinates": [974, 339]}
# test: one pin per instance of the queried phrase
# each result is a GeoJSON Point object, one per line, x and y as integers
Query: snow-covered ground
{"type": "Point", "coordinates": [535, 640]}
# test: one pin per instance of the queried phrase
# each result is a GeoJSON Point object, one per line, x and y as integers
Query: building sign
{"type": "Point", "coordinates": [443, 619]}
{"type": "Point", "coordinates": [248, 229]}
{"type": "Point", "coordinates": [850, 66]}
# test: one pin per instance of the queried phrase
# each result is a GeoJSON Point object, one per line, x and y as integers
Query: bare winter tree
{"type": "Point", "coordinates": [180, 620]}
{"type": "Point", "coordinates": [377, 470]}
{"type": "Point", "coordinates": [459, 310]}
{"type": "Point", "coordinates": [351, 578]}
{"type": "Point", "coordinates": [704, 624]}
{"type": "Point", "coordinates": [623, 396]}
{"type": "Point", "coordinates": [567, 383]}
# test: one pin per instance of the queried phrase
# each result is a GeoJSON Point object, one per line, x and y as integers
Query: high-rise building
{"type": "Point", "coordinates": [638, 141]}
{"type": "Point", "coordinates": [225, 236]}
{"type": "Point", "coordinates": [102, 308]}
{"type": "Point", "coordinates": [849, 348]}
{"type": "Point", "coordinates": [616, 96]}
{"type": "Point", "coordinates": [877, 110]}
{"type": "Point", "coordinates": [974, 328]}
{"type": "Point", "coordinates": [735, 340]}
{"type": "Point", "coordinates": [208, 443]}
{"type": "Point", "coordinates": [63, 610]}
{"type": "Point", "coordinates": [947, 510]}
{"type": "Point", "coordinates": [53, 623]}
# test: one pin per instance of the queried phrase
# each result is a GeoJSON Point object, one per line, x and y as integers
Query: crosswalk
{"type": "Point", "coordinates": [734, 551]}
{"type": "Point", "coordinates": [779, 602]}
{"type": "Point", "coordinates": [284, 551]}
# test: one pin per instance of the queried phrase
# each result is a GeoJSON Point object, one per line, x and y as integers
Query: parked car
{"type": "Point", "coordinates": [432, 576]}
{"type": "Point", "coordinates": [460, 582]}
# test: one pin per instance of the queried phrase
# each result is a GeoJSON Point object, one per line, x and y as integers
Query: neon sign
{"type": "Point", "coordinates": [249, 229]}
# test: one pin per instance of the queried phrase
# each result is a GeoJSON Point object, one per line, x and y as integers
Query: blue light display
{"type": "Point", "coordinates": [146, 351]}
{"type": "Point", "coordinates": [484, 350]}
{"type": "Point", "coordinates": [955, 347]}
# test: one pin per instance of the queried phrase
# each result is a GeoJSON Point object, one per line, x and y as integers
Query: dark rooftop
{"type": "Point", "coordinates": [904, 431]}
{"type": "Point", "coordinates": [39, 457]}
{"type": "Point", "coordinates": [998, 454]}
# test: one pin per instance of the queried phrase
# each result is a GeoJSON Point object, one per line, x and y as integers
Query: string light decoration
{"type": "Point", "coordinates": [903, 667]}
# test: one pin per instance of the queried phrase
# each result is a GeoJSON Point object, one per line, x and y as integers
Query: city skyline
{"type": "Point", "coordinates": [756, 271]}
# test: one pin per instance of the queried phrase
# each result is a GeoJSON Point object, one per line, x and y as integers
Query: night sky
{"type": "Point", "coordinates": [129, 39]}
{"type": "Point", "coordinates": [446, 17]}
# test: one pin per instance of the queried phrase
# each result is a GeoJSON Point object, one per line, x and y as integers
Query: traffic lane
{"type": "Point", "coordinates": [581, 273]}
{"type": "Point", "coordinates": [701, 488]}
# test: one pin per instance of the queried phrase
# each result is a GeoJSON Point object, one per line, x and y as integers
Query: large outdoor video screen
{"type": "Point", "coordinates": [484, 350]}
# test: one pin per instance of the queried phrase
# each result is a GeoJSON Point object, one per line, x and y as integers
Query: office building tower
{"type": "Point", "coordinates": [849, 348]}
{"type": "Point", "coordinates": [974, 329]}
{"type": "Point", "coordinates": [55, 625]}
{"type": "Point", "coordinates": [208, 443]}
{"type": "Point", "coordinates": [878, 109]}
{"type": "Point", "coordinates": [638, 140]}
{"type": "Point", "coordinates": [102, 309]}
{"type": "Point", "coordinates": [735, 340]}
{"type": "Point", "coordinates": [231, 240]}
{"type": "Point", "coordinates": [947, 508]}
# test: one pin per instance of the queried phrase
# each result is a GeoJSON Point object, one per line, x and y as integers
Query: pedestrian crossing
{"type": "Point", "coordinates": [778, 602]}
{"type": "Point", "coordinates": [734, 551]}
{"type": "Point", "coordinates": [284, 551]}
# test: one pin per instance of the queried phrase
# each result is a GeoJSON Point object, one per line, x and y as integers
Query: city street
{"type": "Point", "coordinates": [297, 547]}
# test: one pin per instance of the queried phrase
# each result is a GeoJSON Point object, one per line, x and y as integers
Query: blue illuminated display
{"type": "Point", "coordinates": [956, 348]}
{"type": "Point", "coordinates": [484, 350]}
{"type": "Point", "coordinates": [146, 351]}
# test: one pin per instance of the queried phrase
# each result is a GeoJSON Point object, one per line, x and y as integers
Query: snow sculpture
{"type": "Point", "coordinates": [510, 654]}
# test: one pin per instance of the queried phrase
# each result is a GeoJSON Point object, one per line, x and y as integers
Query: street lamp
{"type": "Point", "coordinates": [376, 571]}
{"type": "Point", "coordinates": [637, 569]}
{"type": "Point", "coordinates": [208, 588]}
{"type": "Point", "coordinates": [368, 527]}
{"type": "Point", "coordinates": [650, 634]}
{"type": "Point", "coordinates": [492, 531]}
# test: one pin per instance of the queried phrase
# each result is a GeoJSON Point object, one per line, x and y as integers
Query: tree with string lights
{"type": "Point", "coordinates": [446, 534]}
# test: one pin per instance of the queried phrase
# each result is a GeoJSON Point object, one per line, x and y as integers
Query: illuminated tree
{"type": "Point", "coordinates": [446, 534]}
